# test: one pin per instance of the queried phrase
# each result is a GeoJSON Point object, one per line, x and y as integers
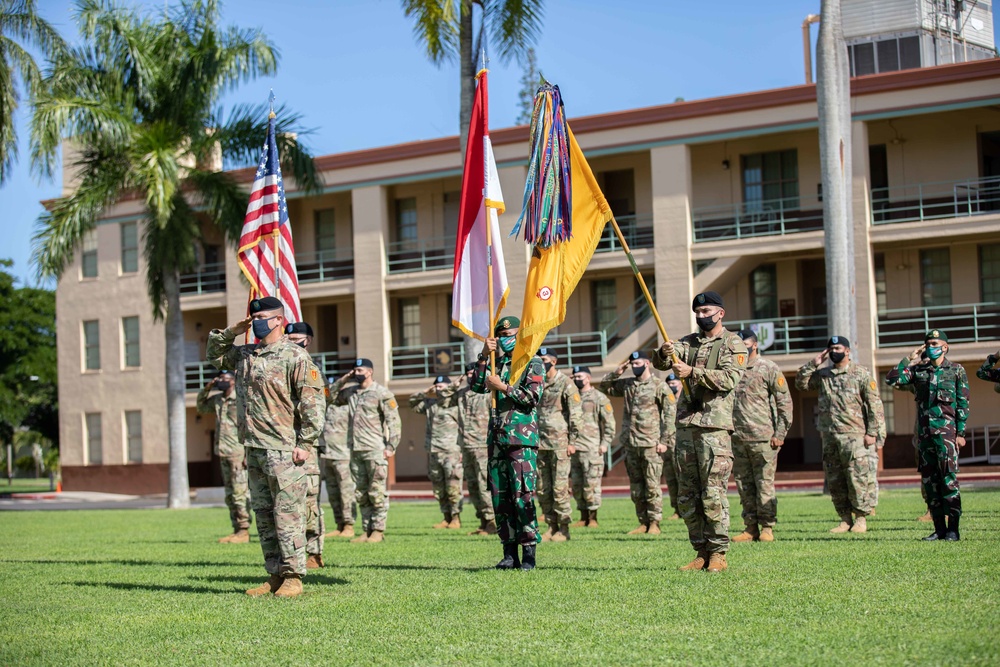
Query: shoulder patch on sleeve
{"type": "Point", "coordinates": [314, 375]}
{"type": "Point", "coordinates": [391, 403]}
{"type": "Point", "coordinates": [873, 384]}
{"type": "Point", "coordinates": [576, 397]}
{"type": "Point", "coordinates": [741, 359]}
{"type": "Point", "coordinates": [670, 397]}
{"type": "Point", "coordinates": [781, 380]}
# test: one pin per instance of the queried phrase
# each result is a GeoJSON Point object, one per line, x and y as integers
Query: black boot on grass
{"type": "Point", "coordinates": [509, 561]}
{"type": "Point", "coordinates": [952, 534]}
{"type": "Point", "coordinates": [940, 530]}
{"type": "Point", "coordinates": [528, 559]}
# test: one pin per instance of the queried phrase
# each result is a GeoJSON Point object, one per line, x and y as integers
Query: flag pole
{"type": "Point", "coordinates": [645, 292]}
{"type": "Point", "coordinates": [489, 230]}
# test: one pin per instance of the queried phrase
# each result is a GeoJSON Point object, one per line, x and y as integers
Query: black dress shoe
{"type": "Point", "coordinates": [509, 561]}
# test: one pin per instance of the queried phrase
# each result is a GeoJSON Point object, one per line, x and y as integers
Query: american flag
{"type": "Point", "coordinates": [267, 255]}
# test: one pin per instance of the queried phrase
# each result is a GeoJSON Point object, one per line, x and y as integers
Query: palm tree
{"type": "Point", "coordinates": [138, 101]}
{"type": "Point", "coordinates": [20, 25]}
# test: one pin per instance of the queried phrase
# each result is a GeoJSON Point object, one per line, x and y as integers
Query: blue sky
{"type": "Point", "coordinates": [355, 72]}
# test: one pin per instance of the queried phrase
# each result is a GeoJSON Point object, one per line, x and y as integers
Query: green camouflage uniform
{"type": "Point", "coordinates": [559, 417]}
{"type": "Point", "coordinates": [763, 410]}
{"type": "Point", "coordinates": [513, 443]}
{"type": "Point", "coordinates": [473, 431]}
{"type": "Point", "coordinates": [279, 408]}
{"type": "Point", "coordinates": [597, 429]}
{"type": "Point", "coordinates": [232, 455]}
{"type": "Point", "coordinates": [987, 372]}
{"type": "Point", "coordinates": [373, 428]}
{"type": "Point", "coordinates": [704, 451]}
{"type": "Point", "coordinates": [315, 527]}
{"type": "Point", "coordinates": [849, 408]}
{"type": "Point", "coordinates": [444, 454]}
{"type": "Point", "coordinates": [648, 421]}
{"type": "Point", "coordinates": [335, 459]}
{"type": "Point", "coordinates": [942, 395]}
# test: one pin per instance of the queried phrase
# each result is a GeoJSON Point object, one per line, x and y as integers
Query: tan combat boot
{"type": "Point", "coordinates": [490, 528]}
{"type": "Point", "coordinates": [563, 533]}
{"type": "Point", "coordinates": [376, 536]}
{"type": "Point", "coordinates": [697, 564]}
{"type": "Point", "coordinates": [860, 525]}
{"type": "Point", "coordinates": [748, 535]}
{"type": "Point", "coordinates": [844, 526]}
{"type": "Point", "coordinates": [641, 530]}
{"type": "Point", "coordinates": [673, 517]}
{"type": "Point", "coordinates": [363, 537]}
{"type": "Point", "coordinates": [241, 536]}
{"type": "Point", "coordinates": [291, 587]}
{"type": "Point", "coordinates": [592, 522]}
{"type": "Point", "coordinates": [584, 519]}
{"type": "Point", "coordinates": [766, 534]}
{"type": "Point", "coordinates": [347, 530]}
{"type": "Point", "coordinates": [272, 584]}
{"type": "Point", "coordinates": [717, 563]}
{"type": "Point", "coordinates": [654, 528]}
{"type": "Point", "coordinates": [455, 523]}
{"type": "Point", "coordinates": [550, 533]}
{"type": "Point", "coordinates": [336, 533]}
{"type": "Point", "coordinates": [314, 562]}
{"type": "Point", "coordinates": [443, 523]}
{"type": "Point", "coordinates": [926, 518]}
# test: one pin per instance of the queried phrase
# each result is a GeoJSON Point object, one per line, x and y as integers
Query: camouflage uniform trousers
{"type": "Point", "coordinates": [445, 471]}
{"type": "Point", "coordinates": [512, 474]}
{"type": "Point", "coordinates": [585, 471]}
{"type": "Point", "coordinates": [670, 476]}
{"type": "Point", "coordinates": [644, 466]}
{"type": "Point", "coordinates": [234, 479]}
{"type": "Point", "coordinates": [371, 472]}
{"type": "Point", "coordinates": [278, 495]}
{"type": "Point", "coordinates": [475, 463]}
{"type": "Point", "coordinates": [340, 488]}
{"type": "Point", "coordinates": [553, 485]}
{"type": "Point", "coordinates": [754, 464]}
{"type": "Point", "coordinates": [848, 467]}
{"type": "Point", "coordinates": [315, 527]}
{"type": "Point", "coordinates": [704, 459]}
{"type": "Point", "coordinates": [939, 474]}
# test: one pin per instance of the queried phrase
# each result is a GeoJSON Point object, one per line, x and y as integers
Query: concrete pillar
{"type": "Point", "coordinates": [863, 350]}
{"type": "Point", "coordinates": [237, 289]}
{"type": "Point", "coordinates": [671, 190]}
{"type": "Point", "coordinates": [371, 305]}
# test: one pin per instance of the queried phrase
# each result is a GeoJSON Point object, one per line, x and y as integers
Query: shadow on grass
{"type": "Point", "coordinates": [199, 590]}
{"type": "Point", "coordinates": [154, 563]}
{"type": "Point", "coordinates": [249, 581]}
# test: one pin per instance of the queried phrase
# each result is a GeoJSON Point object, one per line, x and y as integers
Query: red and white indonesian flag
{"type": "Point", "coordinates": [477, 249]}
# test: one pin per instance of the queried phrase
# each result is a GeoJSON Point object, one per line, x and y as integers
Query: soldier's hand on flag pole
{"type": "Point", "coordinates": [489, 345]}
{"type": "Point", "coordinates": [667, 350]}
{"type": "Point", "coordinates": [681, 369]}
{"type": "Point", "coordinates": [494, 383]}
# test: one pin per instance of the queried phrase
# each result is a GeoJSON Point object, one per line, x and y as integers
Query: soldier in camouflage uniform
{"type": "Point", "coordinates": [559, 418]}
{"type": "Point", "coordinates": [669, 460]}
{"type": "Point", "coordinates": [444, 454]}
{"type": "Point", "coordinates": [301, 334]}
{"type": "Point", "coordinates": [473, 430]}
{"type": "Point", "coordinates": [647, 432]}
{"type": "Point", "coordinates": [942, 394]}
{"type": "Point", "coordinates": [280, 416]}
{"type": "Point", "coordinates": [513, 443]}
{"type": "Point", "coordinates": [232, 455]}
{"type": "Point", "coordinates": [762, 414]}
{"type": "Point", "coordinates": [597, 430]}
{"type": "Point", "coordinates": [850, 422]}
{"type": "Point", "coordinates": [373, 435]}
{"type": "Point", "coordinates": [711, 362]}
{"type": "Point", "coordinates": [988, 373]}
{"type": "Point", "coordinates": [335, 463]}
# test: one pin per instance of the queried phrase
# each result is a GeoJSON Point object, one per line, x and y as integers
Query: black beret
{"type": "Point", "coordinates": [265, 304]}
{"type": "Point", "coordinates": [364, 363]}
{"type": "Point", "coordinates": [471, 366]}
{"type": "Point", "coordinates": [671, 376]}
{"type": "Point", "coordinates": [299, 328]}
{"type": "Point", "coordinates": [638, 354]}
{"type": "Point", "coordinates": [839, 340]}
{"type": "Point", "coordinates": [224, 374]}
{"type": "Point", "coordinates": [547, 352]}
{"type": "Point", "coordinates": [509, 322]}
{"type": "Point", "coordinates": [744, 334]}
{"type": "Point", "coordinates": [706, 299]}
{"type": "Point", "coordinates": [581, 369]}
{"type": "Point", "coordinates": [441, 379]}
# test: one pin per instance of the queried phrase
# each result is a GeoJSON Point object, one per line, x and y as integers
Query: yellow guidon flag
{"type": "Point", "coordinates": [563, 217]}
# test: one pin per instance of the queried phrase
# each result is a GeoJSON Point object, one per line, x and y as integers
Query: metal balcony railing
{"type": "Point", "coordinates": [935, 201]}
{"type": "Point", "coordinates": [792, 334]}
{"type": "Point", "coordinates": [638, 233]}
{"type": "Point", "coordinates": [427, 360]}
{"type": "Point", "coordinates": [629, 320]}
{"type": "Point", "coordinates": [982, 445]}
{"type": "Point", "coordinates": [769, 217]}
{"type": "Point", "coordinates": [197, 374]}
{"type": "Point", "coordinates": [586, 348]}
{"type": "Point", "coordinates": [332, 364]}
{"type": "Point", "coordinates": [436, 252]}
{"type": "Point", "coordinates": [318, 267]}
{"type": "Point", "coordinates": [964, 323]}
{"type": "Point", "coordinates": [209, 278]}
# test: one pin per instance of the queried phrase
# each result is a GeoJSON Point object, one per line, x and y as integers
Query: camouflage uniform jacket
{"type": "Point", "coordinates": [942, 394]}
{"type": "Point", "coordinates": [227, 441]}
{"type": "Point", "coordinates": [559, 412]}
{"type": "Point", "coordinates": [987, 372]}
{"type": "Point", "coordinates": [514, 422]}
{"type": "Point", "coordinates": [710, 404]}
{"type": "Point", "coordinates": [650, 410]}
{"type": "Point", "coordinates": [849, 401]}
{"type": "Point", "coordinates": [441, 433]}
{"type": "Point", "coordinates": [597, 428]}
{"type": "Point", "coordinates": [763, 408]}
{"type": "Point", "coordinates": [333, 441]}
{"type": "Point", "coordinates": [279, 392]}
{"type": "Point", "coordinates": [372, 417]}
{"type": "Point", "coordinates": [473, 415]}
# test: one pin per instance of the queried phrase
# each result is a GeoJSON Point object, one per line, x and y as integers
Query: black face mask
{"type": "Point", "coordinates": [223, 386]}
{"type": "Point", "coordinates": [357, 377]}
{"type": "Point", "coordinates": [638, 370]}
{"type": "Point", "coordinates": [548, 366]}
{"type": "Point", "coordinates": [752, 350]}
{"type": "Point", "coordinates": [706, 323]}
{"type": "Point", "coordinates": [837, 357]}
{"type": "Point", "coordinates": [302, 344]}
{"type": "Point", "coordinates": [579, 384]}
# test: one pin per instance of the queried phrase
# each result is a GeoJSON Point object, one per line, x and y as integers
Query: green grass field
{"type": "Point", "coordinates": [153, 587]}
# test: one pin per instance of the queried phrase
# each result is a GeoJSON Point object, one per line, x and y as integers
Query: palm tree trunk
{"type": "Point", "coordinates": [833, 93]}
{"type": "Point", "coordinates": [178, 492]}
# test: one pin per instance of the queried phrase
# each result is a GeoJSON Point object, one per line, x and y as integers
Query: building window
{"type": "Point", "coordinates": [91, 346]}
{"type": "Point", "coordinates": [989, 273]}
{"type": "Point", "coordinates": [605, 303]}
{"type": "Point", "coordinates": [771, 180]}
{"type": "Point", "coordinates": [764, 292]}
{"type": "Point", "coordinates": [133, 435]}
{"type": "Point", "coordinates": [130, 247]}
{"type": "Point", "coordinates": [130, 339]}
{"type": "Point", "coordinates": [881, 299]}
{"type": "Point", "coordinates": [95, 456]}
{"type": "Point", "coordinates": [326, 232]}
{"type": "Point", "coordinates": [409, 322]}
{"type": "Point", "coordinates": [935, 276]}
{"type": "Point", "coordinates": [888, 395]}
{"type": "Point", "coordinates": [406, 222]}
{"type": "Point", "coordinates": [88, 256]}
